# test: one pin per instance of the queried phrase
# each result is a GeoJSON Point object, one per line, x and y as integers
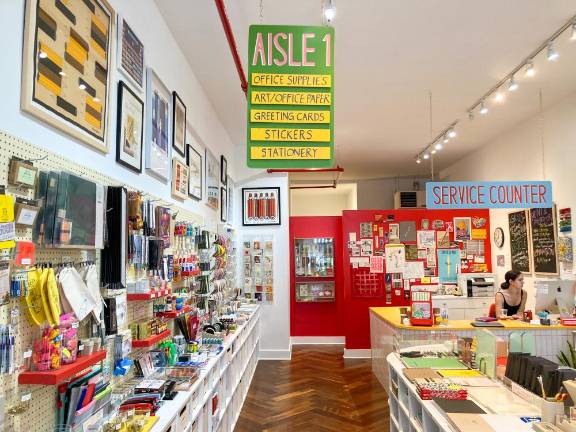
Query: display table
{"type": "Point", "coordinates": [215, 400]}
{"type": "Point", "coordinates": [386, 332]}
{"type": "Point", "coordinates": [409, 413]}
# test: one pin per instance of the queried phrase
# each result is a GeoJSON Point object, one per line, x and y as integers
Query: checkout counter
{"type": "Point", "coordinates": [388, 332]}
{"type": "Point", "coordinates": [476, 291]}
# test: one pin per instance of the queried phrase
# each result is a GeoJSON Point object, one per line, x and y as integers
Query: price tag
{"type": "Point", "coordinates": [75, 325]}
{"type": "Point", "coordinates": [27, 354]}
{"type": "Point", "coordinates": [26, 397]}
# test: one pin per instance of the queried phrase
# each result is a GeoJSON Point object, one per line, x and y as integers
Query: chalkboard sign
{"type": "Point", "coordinates": [543, 228]}
{"type": "Point", "coordinates": [519, 247]}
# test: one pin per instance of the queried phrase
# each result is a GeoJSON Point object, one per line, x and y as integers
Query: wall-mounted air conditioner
{"type": "Point", "coordinates": [410, 199]}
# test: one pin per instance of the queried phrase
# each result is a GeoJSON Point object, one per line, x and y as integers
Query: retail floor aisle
{"type": "Point", "coordinates": [317, 391]}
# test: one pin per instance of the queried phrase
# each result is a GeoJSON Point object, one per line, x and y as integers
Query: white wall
{"type": "Point", "coordinates": [275, 330]}
{"type": "Point", "coordinates": [379, 193]}
{"type": "Point", "coordinates": [520, 155]}
{"type": "Point", "coordinates": [323, 202]}
{"type": "Point", "coordinates": [162, 54]}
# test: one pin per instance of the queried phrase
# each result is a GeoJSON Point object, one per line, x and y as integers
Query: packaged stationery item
{"type": "Point", "coordinates": [47, 350]}
{"type": "Point", "coordinates": [429, 388]}
{"type": "Point", "coordinates": [69, 332]}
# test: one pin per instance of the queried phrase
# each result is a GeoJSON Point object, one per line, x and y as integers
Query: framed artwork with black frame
{"type": "Point", "coordinates": [129, 128]}
{"type": "Point", "coordinates": [178, 125]}
{"type": "Point", "coordinates": [223, 170]}
{"type": "Point", "coordinates": [196, 168]}
{"type": "Point", "coordinates": [223, 205]}
{"type": "Point", "coordinates": [261, 206]}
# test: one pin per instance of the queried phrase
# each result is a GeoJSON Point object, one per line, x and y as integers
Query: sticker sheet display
{"type": "Point", "coordinates": [257, 262]}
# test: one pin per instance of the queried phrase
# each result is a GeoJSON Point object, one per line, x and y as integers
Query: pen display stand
{"type": "Point", "coordinates": [421, 308]}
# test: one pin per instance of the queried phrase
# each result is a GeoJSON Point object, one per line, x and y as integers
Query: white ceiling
{"type": "Point", "coordinates": [389, 54]}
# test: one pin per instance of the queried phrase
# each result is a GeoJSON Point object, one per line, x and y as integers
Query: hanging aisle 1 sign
{"type": "Point", "coordinates": [290, 97]}
{"type": "Point", "coordinates": [468, 195]}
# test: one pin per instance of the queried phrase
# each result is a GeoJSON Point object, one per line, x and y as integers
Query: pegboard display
{"type": "Point", "coordinates": [38, 413]}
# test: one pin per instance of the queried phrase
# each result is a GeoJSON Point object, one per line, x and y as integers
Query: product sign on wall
{"type": "Point", "coordinates": [290, 97]}
{"type": "Point", "coordinates": [469, 195]}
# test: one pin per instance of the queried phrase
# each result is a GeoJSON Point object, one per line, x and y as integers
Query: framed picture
{"type": "Point", "coordinates": [129, 128]}
{"type": "Point", "coordinates": [230, 186]}
{"type": "Point", "coordinates": [178, 125]}
{"type": "Point", "coordinates": [260, 206]}
{"type": "Point", "coordinates": [179, 179]}
{"type": "Point", "coordinates": [158, 100]}
{"type": "Point", "coordinates": [462, 228]}
{"type": "Point", "coordinates": [212, 181]}
{"type": "Point", "coordinates": [223, 204]}
{"type": "Point", "coordinates": [195, 168]}
{"type": "Point", "coordinates": [66, 62]}
{"type": "Point", "coordinates": [223, 169]}
{"type": "Point", "coordinates": [130, 57]}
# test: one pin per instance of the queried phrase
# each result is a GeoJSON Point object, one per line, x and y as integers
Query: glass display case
{"type": "Point", "coordinates": [314, 257]}
{"type": "Point", "coordinates": [314, 268]}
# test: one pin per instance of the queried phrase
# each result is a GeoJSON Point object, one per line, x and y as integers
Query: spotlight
{"type": "Point", "coordinates": [452, 133]}
{"type": "Point", "coordinates": [444, 140]}
{"type": "Point", "coordinates": [82, 87]}
{"type": "Point", "coordinates": [551, 53]}
{"type": "Point", "coordinates": [483, 108]}
{"type": "Point", "coordinates": [438, 146]}
{"type": "Point", "coordinates": [530, 71]}
{"type": "Point", "coordinates": [512, 85]}
{"type": "Point", "coordinates": [426, 155]}
{"type": "Point", "coordinates": [573, 36]}
{"type": "Point", "coordinates": [499, 97]}
{"type": "Point", "coordinates": [329, 11]}
{"type": "Point", "coordinates": [42, 55]}
{"type": "Point", "coordinates": [418, 160]}
{"type": "Point", "coordinates": [433, 151]}
{"type": "Point", "coordinates": [470, 115]}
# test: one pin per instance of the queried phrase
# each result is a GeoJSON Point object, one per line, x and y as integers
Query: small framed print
{"type": "Point", "coordinates": [130, 54]}
{"type": "Point", "coordinates": [179, 179]}
{"type": "Point", "coordinates": [261, 206]}
{"type": "Point", "coordinates": [178, 125]}
{"type": "Point", "coordinates": [223, 169]}
{"type": "Point", "coordinates": [158, 123]}
{"type": "Point", "coordinates": [212, 181]}
{"type": "Point", "coordinates": [196, 169]}
{"type": "Point", "coordinates": [223, 205]}
{"type": "Point", "coordinates": [130, 128]}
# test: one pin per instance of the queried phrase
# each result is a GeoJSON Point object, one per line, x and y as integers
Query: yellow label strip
{"type": "Point", "coordinates": [301, 153]}
{"type": "Point", "coordinates": [290, 80]}
{"type": "Point", "coordinates": [289, 116]}
{"type": "Point", "coordinates": [290, 98]}
{"type": "Point", "coordinates": [281, 134]}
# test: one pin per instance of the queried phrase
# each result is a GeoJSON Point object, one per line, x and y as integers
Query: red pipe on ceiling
{"type": "Point", "coordinates": [301, 170]}
{"type": "Point", "coordinates": [232, 44]}
{"type": "Point", "coordinates": [314, 187]}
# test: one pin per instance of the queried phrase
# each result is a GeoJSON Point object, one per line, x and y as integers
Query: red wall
{"type": "Point", "coordinates": [356, 310]}
{"type": "Point", "coordinates": [317, 319]}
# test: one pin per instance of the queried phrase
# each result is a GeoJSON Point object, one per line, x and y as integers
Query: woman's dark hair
{"type": "Point", "coordinates": [511, 275]}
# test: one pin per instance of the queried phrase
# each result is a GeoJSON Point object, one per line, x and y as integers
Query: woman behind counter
{"type": "Point", "coordinates": [511, 299]}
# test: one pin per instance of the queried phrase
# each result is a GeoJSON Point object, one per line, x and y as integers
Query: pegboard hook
{"type": "Point", "coordinates": [37, 159]}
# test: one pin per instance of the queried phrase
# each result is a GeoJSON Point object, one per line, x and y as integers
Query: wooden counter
{"type": "Point", "coordinates": [391, 315]}
{"type": "Point", "coordinates": [387, 334]}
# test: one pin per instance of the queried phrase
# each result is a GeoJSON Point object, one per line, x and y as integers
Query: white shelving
{"type": "Point", "coordinates": [226, 378]}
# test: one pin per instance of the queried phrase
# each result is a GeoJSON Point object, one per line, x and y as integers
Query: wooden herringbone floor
{"type": "Point", "coordinates": [317, 391]}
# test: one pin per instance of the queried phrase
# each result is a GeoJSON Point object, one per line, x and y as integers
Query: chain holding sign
{"type": "Point", "coordinates": [290, 97]}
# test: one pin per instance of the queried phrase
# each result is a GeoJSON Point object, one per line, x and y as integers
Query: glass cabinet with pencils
{"type": "Point", "coordinates": [314, 269]}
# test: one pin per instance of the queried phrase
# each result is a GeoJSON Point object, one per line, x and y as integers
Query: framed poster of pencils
{"type": "Point", "coordinates": [260, 206]}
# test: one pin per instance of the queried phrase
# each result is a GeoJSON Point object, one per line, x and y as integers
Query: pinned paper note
{"type": "Point", "coordinates": [395, 258]}
{"type": "Point", "coordinates": [377, 264]}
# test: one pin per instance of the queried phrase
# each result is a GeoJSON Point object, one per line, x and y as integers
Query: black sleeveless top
{"type": "Point", "coordinates": [511, 310]}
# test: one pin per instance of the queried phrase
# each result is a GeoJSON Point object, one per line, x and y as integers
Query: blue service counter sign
{"type": "Point", "coordinates": [470, 195]}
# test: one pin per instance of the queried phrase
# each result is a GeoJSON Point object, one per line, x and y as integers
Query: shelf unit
{"type": "Point", "coordinates": [228, 375]}
{"type": "Point", "coordinates": [173, 314]}
{"type": "Point", "coordinates": [149, 295]}
{"type": "Point", "coordinates": [65, 372]}
{"type": "Point", "coordinates": [151, 341]}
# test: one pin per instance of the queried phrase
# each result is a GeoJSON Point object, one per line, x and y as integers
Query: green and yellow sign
{"type": "Point", "coordinates": [290, 97]}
